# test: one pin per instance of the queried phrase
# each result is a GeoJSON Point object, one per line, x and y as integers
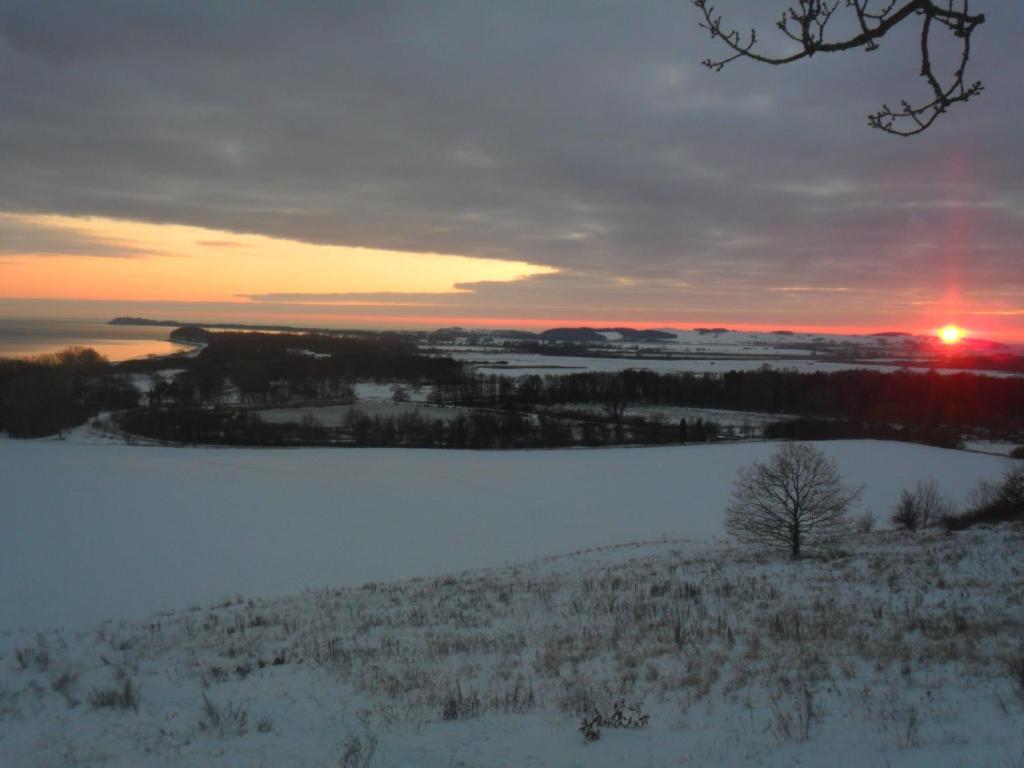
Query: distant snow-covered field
{"type": "Point", "coordinates": [105, 530]}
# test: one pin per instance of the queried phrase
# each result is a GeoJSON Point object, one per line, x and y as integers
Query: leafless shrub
{"type": "Point", "coordinates": [459, 705]}
{"type": "Point", "coordinates": [228, 720]}
{"type": "Point", "coordinates": [865, 522]}
{"type": "Point", "coordinates": [921, 507]}
{"type": "Point", "coordinates": [792, 717]}
{"type": "Point", "coordinates": [516, 695]}
{"type": "Point", "coordinates": [359, 750]}
{"type": "Point", "coordinates": [903, 720]}
{"type": "Point", "coordinates": [37, 656]}
{"type": "Point", "coordinates": [64, 684]}
{"type": "Point", "coordinates": [982, 494]}
{"type": "Point", "coordinates": [581, 696]}
{"type": "Point", "coordinates": [993, 502]}
{"type": "Point", "coordinates": [1015, 669]}
{"type": "Point", "coordinates": [547, 660]}
{"type": "Point", "coordinates": [125, 696]}
{"type": "Point", "coordinates": [786, 625]}
{"type": "Point", "coordinates": [620, 715]}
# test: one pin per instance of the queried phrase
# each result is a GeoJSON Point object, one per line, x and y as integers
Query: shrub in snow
{"type": "Point", "coordinates": [399, 394]}
{"type": "Point", "coordinates": [125, 696]}
{"type": "Point", "coordinates": [228, 720]}
{"type": "Point", "coordinates": [921, 507]}
{"type": "Point", "coordinates": [1015, 669]}
{"type": "Point", "coordinates": [38, 657]}
{"type": "Point", "coordinates": [865, 522]}
{"type": "Point", "coordinates": [359, 750]}
{"type": "Point", "coordinates": [620, 715]}
{"type": "Point", "coordinates": [793, 716]}
{"type": "Point", "coordinates": [993, 502]}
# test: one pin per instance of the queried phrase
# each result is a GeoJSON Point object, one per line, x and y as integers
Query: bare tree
{"type": "Point", "coordinates": [922, 507]}
{"type": "Point", "coordinates": [808, 25]}
{"type": "Point", "coordinates": [796, 497]}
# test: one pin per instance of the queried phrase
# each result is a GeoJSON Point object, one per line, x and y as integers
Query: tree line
{"type": "Point", "coordinates": [923, 401]}
{"type": "Point", "coordinates": [472, 429]}
{"type": "Point", "coordinates": [49, 394]}
{"type": "Point", "coordinates": [278, 368]}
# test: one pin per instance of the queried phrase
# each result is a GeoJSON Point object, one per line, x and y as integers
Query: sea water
{"type": "Point", "coordinates": [21, 337]}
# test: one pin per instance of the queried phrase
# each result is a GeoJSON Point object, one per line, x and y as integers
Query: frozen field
{"type": "Point", "coordinates": [105, 530]}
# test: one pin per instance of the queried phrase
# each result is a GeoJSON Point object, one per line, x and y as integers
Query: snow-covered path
{"type": "Point", "coordinates": [97, 531]}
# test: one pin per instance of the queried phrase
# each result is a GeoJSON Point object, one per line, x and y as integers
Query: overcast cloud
{"type": "Point", "coordinates": [582, 135]}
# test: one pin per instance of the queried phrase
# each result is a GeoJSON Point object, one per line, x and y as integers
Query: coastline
{"type": "Point", "coordinates": [22, 338]}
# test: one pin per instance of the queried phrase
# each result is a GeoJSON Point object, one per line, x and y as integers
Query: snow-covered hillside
{"type": "Point", "coordinates": [106, 530]}
{"type": "Point", "coordinates": [894, 650]}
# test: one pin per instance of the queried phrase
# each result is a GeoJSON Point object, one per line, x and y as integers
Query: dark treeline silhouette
{"type": "Point", "coordinates": [277, 368]}
{"type": "Point", "coordinates": [995, 362]}
{"type": "Point", "coordinates": [921, 400]}
{"type": "Point", "coordinates": [210, 426]}
{"type": "Point", "coordinates": [841, 429]}
{"type": "Point", "coordinates": [48, 394]}
{"type": "Point", "coordinates": [209, 400]}
{"type": "Point", "coordinates": [476, 429]}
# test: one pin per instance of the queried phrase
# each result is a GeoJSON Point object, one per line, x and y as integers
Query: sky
{"type": "Point", "coordinates": [521, 164]}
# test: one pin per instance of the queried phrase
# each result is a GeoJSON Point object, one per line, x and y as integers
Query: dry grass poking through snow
{"type": "Point", "coordinates": [898, 649]}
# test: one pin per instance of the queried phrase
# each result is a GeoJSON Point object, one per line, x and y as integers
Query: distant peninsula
{"type": "Point", "coordinates": [232, 326]}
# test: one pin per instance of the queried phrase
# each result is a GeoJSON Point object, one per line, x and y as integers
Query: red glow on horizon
{"type": "Point", "coordinates": [477, 322]}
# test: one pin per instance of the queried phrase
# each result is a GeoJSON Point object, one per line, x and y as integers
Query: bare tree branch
{"type": "Point", "coordinates": [806, 24]}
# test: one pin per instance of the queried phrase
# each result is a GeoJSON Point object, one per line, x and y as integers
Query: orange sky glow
{"type": "Point", "coordinates": [100, 262]}
{"type": "Point", "coordinates": [167, 262]}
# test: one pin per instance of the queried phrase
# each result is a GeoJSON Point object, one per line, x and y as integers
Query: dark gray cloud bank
{"type": "Point", "coordinates": [583, 134]}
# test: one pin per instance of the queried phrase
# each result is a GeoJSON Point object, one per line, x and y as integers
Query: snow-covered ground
{"type": "Point", "coordinates": [999, 447]}
{"type": "Point", "coordinates": [144, 382]}
{"type": "Point", "coordinates": [107, 530]}
{"type": "Point", "coordinates": [894, 650]}
{"type": "Point", "coordinates": [372, 390]}
{"type": "Point", "coordinates": [336, 415]}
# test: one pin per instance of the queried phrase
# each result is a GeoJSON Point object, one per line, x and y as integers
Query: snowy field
{"type": "Point", "coordinates": [897, 650]}
{"type": "Point", "coordinates": [1000, 448]}
{"type": "Point", "coordinates": [105, 530]}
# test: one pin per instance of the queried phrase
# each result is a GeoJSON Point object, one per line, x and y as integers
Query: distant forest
{"type": "Point", "coordinates": [215, 396]}
{"type": "Point", "coordinates": [51, 393]}
{"type": "Point", "coordinates": [960, 400]}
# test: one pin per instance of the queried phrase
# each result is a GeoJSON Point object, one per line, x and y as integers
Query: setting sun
{"type": "Point", "coordinates": [951, 334]}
